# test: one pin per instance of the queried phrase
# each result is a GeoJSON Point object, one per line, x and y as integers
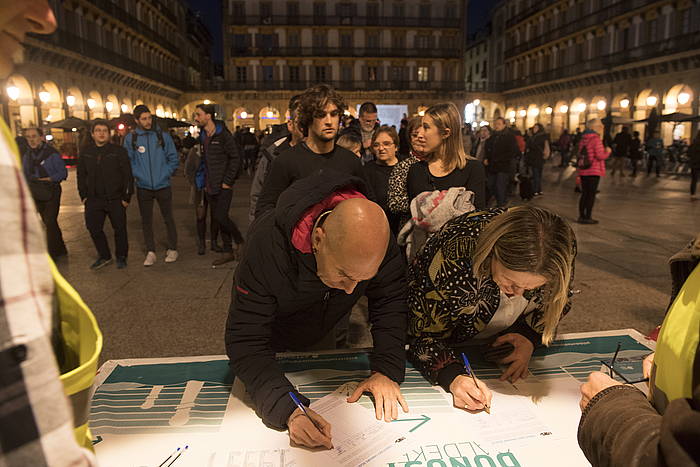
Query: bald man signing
{"type": "Point", "coordinates": [305, 264]}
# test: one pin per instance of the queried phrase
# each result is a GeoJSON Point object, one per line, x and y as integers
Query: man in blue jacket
{"type": "Point", "coordinates": [45, 171]}
{"type": "Point", "coordinates": [153, 161]}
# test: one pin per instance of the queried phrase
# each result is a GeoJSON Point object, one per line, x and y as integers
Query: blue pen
{"type": "Point", "coordinates": [303, 409]}
{"type": "Point", "coordinates": [468, 367]}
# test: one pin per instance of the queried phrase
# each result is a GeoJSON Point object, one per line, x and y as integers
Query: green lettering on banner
{"type": "Point", "coordinates": [503, 456]}
{"type": "Point", "coordinates": [457, 454]}
{"type": "Point", "coordinates": [433, 454]}
{"type": "Point", "coordinates": [436, 463]}
{"type": "Point", "coordinates": [478, 459]}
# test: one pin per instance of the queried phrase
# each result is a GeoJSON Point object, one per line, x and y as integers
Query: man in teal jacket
{"type": "Point", "coordinates": [153, 161]}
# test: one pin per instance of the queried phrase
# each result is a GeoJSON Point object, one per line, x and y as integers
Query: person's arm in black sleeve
{"type": "Point", "coordinates": [275, 183]}
{"type": "Point", "coordinates": [233, 155]}
{"type": "Point", "coordinates": [248, 346]}
{"type": "Point", "coordinates": [388, 312]}
{"type": "Point", "coordinates": [127, 176]}
{"type": "Point", "coordinates": [619, 426]}
{"type": "Point", "coordinates": [477, 184]}
{"type": "Point", "coordinates": [81, 173]}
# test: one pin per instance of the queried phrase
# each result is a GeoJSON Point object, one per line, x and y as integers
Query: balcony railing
{"type": "Point", "coordinates": [79, 45]}
{"type": "Point", "coordinates": [308, 20]}
{"type": "Point", "coordinates": [343, 52]}
{"type": "Point", "coordinates": [606, 62]}
{"type": "Point", "coordinates": [523, 15]}
{"type": "Point", "coordinates": [382, 85]}
{"type": "Point", "coordinates": [130, 20]}
{"type": "Point", "coordinates": [595, 18]}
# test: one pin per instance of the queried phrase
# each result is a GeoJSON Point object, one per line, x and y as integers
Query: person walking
{"type": "Point", "coordinates": [45, 170]}
{"type": "Point", "coordinates": [536, 152]}
{"type": "Point", "coordinates": [501, 152]}
{"type": "Point", "coordinates": [591, 166]}
{"type": "Point", "coordinates": [694, 156]}
{"type": "Point", "coordinates": [478, 149]}
{"type": "Point", "coordinates": [153, 162]}
{"type": "Point", "coordinates": [565, 147]}
{"type": "Point", "coordinates": [621, 151]}
{"type": "Point", "coordinates": [220, 165]}
{"type": "Point", "coordinates": [105, 186]}
{"type": "Point", "coordinates": [655, 149]}
{"type": "Point", "coordinates": [635, 152]}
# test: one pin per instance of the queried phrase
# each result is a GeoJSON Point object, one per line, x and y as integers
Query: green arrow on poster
{"type": "Point", "coordinates": [95, 441]}
{"type": "Point", "coordinates": [423, 420]}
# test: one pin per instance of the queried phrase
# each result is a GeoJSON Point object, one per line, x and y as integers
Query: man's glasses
{"type": "Point", "coordinates": [624, 369]}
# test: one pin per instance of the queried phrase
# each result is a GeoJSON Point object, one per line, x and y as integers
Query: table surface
{"type": "Point", "coordinates": [142, 409]}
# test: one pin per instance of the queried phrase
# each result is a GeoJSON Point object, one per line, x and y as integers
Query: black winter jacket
{"type": "Point", "coordinates": [279, 303]}
{"type": "Point", "coordinates": [105, 172]}
{"type": "Point", "coordinates": [500, 152]}
{"type": "Point", "coordinates": [223, 158]}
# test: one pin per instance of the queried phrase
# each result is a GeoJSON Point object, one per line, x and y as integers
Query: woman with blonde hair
{"type": "Point", "coordinates": [497, 278]}
{"type": "Point", "coordinates": [447, 165]}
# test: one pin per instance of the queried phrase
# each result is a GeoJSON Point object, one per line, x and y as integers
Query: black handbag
{"type": "Point", "coordinates": [41, 190]}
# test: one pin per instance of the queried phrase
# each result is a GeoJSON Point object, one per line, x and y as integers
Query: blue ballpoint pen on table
{"type": "Point", "coordinates": [303, 409]}
{"type": "Point", "coordinates": [468, 367]}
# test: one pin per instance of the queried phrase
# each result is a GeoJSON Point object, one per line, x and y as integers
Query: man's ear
{"type": "Point", "coordinates": [317, 238]}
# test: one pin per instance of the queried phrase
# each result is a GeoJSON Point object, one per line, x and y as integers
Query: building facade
{"type": "Point", "coordinates": [399, 52]}
{"type": "Point", "coordinates": [562, 62]}
{"type": "Point", "coordinates": [105, 57]}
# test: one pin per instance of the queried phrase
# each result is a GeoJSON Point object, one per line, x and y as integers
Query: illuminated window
{"type": "Point", "coordinates": [422, 73]}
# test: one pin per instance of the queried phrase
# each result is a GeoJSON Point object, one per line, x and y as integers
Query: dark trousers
{"type": "Point", "coordinates": [164, 197]}
{"type": "Point", "coordinates": [202, 205]}
{"type": "Point", "coordinates": [220, 204]}
{"type": "Point", "coordinates": [694, 174]}
{"type": "Point", "coordinates": [498, 187]}
{"type": "Point", "coordinates": [589, 186]}
{"type": "Point", "coordinates": [48, 210]}
{"type": "Point", "coordinates": [537, 179]}
{"type": "Point", "coordinates": [653, 160]}
{"type": "Point", "coordinates": [95, 212]}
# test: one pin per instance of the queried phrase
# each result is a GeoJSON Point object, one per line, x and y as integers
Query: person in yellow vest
{"type": "Point", "coordinates": [44, 325]}
{"type": "Point", "coordinates": [621, 426]}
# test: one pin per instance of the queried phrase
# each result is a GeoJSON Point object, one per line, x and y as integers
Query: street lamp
{"type": "Point", "coordinates": [91, 103]}
{"type": "Point", "coordinates": [601, 104]}
{"type": "Point", "coordinates": [511, 115]}
{"type": "Point", "coordinates": [624, 103]}
{"type": "Point", "coordinates": [651, 101]}
{"type": "Point", "coordinates": [125, 108]}
{"type": "Point", "coordinates": [522, 112]}
{"type": "Point", "coordinates": [109, 105]}
{"type": "Point", "coordinates": [44, 95]}
{"type": "Point", "coordinates": [563, 108]}
{"type": "Point", "coordinates": [683, 98]}
{"type": "Point", "coordinates": [244, 115]}
{"type": "Point", "coordinates": [477, 102]}
{"type": "Point", "coordinates": [12, 90]}
{"type": "Point", "coordinates": [534, 112]}
{"type": "Point", "coordinates": [270, 114]}
{"type": "Point", "coordinates": [70, 100]}
{"type": "Point", "coordinates": [548, 111]}
{"type": "Point", "coordinates": [581, 107]}
{"type": "Point", "coordinates": [207, 102]}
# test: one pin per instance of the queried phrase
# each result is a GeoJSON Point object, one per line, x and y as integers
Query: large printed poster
{"type": "Point", "coordinates": [143, 410]}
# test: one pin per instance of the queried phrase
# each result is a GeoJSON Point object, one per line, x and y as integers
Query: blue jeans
{"type": "Point", "coordinates": [498, 187]}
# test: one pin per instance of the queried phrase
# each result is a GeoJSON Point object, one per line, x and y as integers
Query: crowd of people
{"type": "Point", "coordinates": [459, 273]}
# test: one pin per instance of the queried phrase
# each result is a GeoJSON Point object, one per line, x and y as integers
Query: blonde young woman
{"type": "Point", "coordinates": [447, 165]}
{"type": "Point", "coordinates": [496, 278]}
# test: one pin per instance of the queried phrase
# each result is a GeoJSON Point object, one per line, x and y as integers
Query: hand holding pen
{"type": "Point", "coordinates": [307, 428]}
{"type": "Point", "coordinates": [468, 392]}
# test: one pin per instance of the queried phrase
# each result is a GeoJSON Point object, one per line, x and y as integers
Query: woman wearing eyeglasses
{"type": "Point", "coordinates": [496, 279]}
{"type": "Point", "coordinates": [447, 165]}
{"type": "Point", "coordinates": [384, 145]}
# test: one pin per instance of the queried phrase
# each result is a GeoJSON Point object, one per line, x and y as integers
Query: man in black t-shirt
{"type": "Point", "coordinates": [320, 108]}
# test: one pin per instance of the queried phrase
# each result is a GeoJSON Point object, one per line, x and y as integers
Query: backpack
{"type": "Point", "coordinates": [521, 143]}
{"type": "Point", "coordinates": [584, 161]}
{"type": "Point", "coordinates": [159, 134]}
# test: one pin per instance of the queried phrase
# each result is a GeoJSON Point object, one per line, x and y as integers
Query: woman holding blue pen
{"type": "Point", "coordinates": [499, 279]}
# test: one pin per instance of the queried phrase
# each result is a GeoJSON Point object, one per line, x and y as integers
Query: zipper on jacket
{"type": "Point", "coordinates": [150, 161]}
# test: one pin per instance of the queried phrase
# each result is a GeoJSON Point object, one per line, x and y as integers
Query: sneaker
{"type": "Point", "coordinates": [171, 256]}
{"type": "Point", "coordinates": [226, 258]}
{"type": "Point", "coordinates": [100, 263]}
{"type": "Point", "coordinates": [121, 263]}
{"type": "Point", "coordinates": [150, 259]}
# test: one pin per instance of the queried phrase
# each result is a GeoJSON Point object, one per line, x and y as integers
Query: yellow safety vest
{"type": "Point", "coordinates": [677, 346]}
{"type": "Point", "coordinates": [81, 339]}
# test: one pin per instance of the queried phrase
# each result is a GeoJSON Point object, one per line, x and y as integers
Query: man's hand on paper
{"type": "Point", "coordinates": [647, 364]}
{"type": "Point", "coordinates": [465, 395]}
{"type": "Point", "coordinates": [304, 433]}
{"type": "Point", "coordinates": [597, 381]}
{"type": "Point", "coordinates": [386, 394]}
{"type": "Point", "coordinates": [518, 359]}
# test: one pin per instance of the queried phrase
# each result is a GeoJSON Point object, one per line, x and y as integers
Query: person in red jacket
{"type": "Point", "coordinates": [591, 166]}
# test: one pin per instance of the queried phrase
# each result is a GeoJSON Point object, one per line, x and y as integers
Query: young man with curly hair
{"type": "Point", "coordinates": [320, 109]}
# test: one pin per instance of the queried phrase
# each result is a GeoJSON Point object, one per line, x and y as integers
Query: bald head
{"type": "Point", "coordinates": [351, 244]}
